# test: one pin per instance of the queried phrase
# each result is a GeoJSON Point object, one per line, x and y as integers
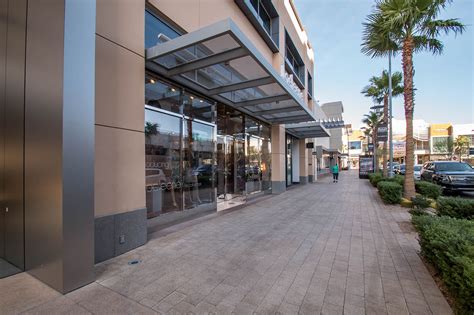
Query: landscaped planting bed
{"type": "Point", "coordinates": [448, 244]}
{"type": "Point", "coordinates": [456, 207]}
{"type": "Point", "coordinates": [428, 189]}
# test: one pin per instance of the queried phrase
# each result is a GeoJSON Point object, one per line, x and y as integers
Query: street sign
{"type": "Point", "coordinates": [382, 132]}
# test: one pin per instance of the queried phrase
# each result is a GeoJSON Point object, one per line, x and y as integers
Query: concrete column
{"type": "Point", "coordinates": [303, 156]}
{"type": "Point", "coordinates": [278, 159]}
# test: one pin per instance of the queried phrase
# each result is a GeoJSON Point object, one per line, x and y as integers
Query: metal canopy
{"type": "Point", "coordinates": [332, 123]}
{"type": "Point", "coordinates": [308, 130]}
{"type": "Point", "coordinates": [220, 61]}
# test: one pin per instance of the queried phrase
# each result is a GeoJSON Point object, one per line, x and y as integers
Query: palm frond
{"type": "Point", "coordinates": [433, 28]}
{"type": "Point", "coordinates": [423, 43]}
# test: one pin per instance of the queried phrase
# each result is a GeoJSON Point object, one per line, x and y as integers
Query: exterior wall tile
{"type": "Point", "coordinates": [119, 170]}
{"type": "Point", "coordinates": [123, 22]}
{"type": "Point", "coordinates": [120, 86]}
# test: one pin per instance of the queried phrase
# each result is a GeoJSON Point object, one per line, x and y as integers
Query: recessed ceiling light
{"type": "Point", "coordinates": [173, 89]}
{"type": "Point", "coordinates": [200, 101]}
{"type": "Point", "coordinates": [152, 81]}
{"type": "Point", "coordinates": [191, 97]}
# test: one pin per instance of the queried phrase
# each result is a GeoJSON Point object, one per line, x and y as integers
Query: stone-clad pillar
{"type": "Point", "coordinates": [278, 159]}
{"type": "Point", "coordinates": [303, 156]}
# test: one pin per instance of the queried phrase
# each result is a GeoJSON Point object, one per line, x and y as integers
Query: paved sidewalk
{"type": "Point", "coordinates": [321, 248]}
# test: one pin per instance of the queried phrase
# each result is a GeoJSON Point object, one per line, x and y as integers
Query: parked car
{"type": "Point", "coordinates": [401, 169]}
{"type": "Point", "coordinates": [451, 175]}
{"type": "Point", "coordinates": [417, 171]}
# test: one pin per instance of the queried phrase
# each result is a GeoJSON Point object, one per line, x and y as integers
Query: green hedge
{"type": "Point", "coordinates": [420, 202]}
{"type": "Point", "coordinates": [428, 189]}
{"type": "Point", "coordinates": [375, 178]}
{"type": "Point", "coordinates": [399, 179]}
{"type": "Point", "coordinates": [390, 192]}
{"type": "Point", "coordinates": [448, 244]}
{"type": "Point", "coordinates": [456, 207]}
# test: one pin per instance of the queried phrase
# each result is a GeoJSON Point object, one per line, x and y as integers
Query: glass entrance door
{"type": "Point", "coordinates": [230, 169]}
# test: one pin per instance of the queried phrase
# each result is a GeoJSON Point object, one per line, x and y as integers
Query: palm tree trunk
{"type": "Point", "coordinates": [374, 141]}
{"type": "Point", "coordinates": [407, 63]}
{"type": "Point", "coordinates": [384, 151]}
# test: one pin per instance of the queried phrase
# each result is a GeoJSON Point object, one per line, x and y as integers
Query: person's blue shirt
{"type": "Point", "coordinates": [335, 169]}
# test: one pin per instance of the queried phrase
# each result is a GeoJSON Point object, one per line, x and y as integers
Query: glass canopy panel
{"type": "Point", "coordinates": [307, 130]}
{"type": "Point", "coordinates": [273, 106]}
{"type": "Point", "coordinates": [194, 52]}
{"type": "Point", "coordinates": [233, 71]}
{"type": "Point", "coordinates": [219, 61]}
{"type": "Point", "coordinates": [254, 93]}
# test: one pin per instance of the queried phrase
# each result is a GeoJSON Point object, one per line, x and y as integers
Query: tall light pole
{"type": "Point", "coordinates": [390, 170]}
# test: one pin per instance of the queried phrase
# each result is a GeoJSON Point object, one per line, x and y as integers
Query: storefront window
{"type": "Point", "coordinates": [253, 154]}
{"type": "Point", "coordinates": [162, 163]}
{"type": "Point", "coordinates": [289, 160]}
{"type": "Point", "coordinates": [266, 162]}
{"type": "Point", "coordinates": [198, 165]}
{"type": "Point", "coordinates": [198, 108]}
{"type": "Point", "coordinates": [162, 95]}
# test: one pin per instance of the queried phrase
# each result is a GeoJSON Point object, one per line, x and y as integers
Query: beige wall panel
{"type": "Point", "coordinates": [120, 86]}
{"type": "Point", "coordinates": [278, 153]}
{"type": "Point", "coordinates": [119, 170]}
{"type": "Point", "coordinates": [303, 157]}
{"type": "Point", "coordinates": [123, 22]}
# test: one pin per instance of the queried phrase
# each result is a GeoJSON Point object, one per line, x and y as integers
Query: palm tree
{"type": "Point", "coordinates": [461, 146]}
{"type": "Point", "coordinates": [407, 26]}
{"type": "Point", "coordinates": [378, 90]}
{"type": "Point", "coordinates": [372, 120]}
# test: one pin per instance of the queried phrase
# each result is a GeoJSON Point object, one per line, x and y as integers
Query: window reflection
{"type": "Point", "coordinates": [162, 163]}
{"type": "Point", "coordinates": [198, 165]}
{"type": "Point", "coordinates": [162, 95]}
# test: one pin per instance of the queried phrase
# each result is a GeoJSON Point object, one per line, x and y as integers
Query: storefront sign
{"type": "Point", "coordinates": [370, 146]}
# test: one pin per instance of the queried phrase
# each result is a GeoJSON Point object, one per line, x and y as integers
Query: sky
{"type": "Point", "coordinates": [445, 84]}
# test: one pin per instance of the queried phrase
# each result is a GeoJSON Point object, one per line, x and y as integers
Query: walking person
{"type": "Point", "coordinates": [335, 173]}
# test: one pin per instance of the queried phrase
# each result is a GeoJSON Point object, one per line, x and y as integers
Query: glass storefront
{"type": "Point", "coordinates": [179, 150]}
{"type": "Point", "coordinates": [289, 159]}
{"type": "Point", "coordinates": [199, 152]}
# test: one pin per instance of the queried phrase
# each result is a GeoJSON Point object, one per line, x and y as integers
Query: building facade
{"type": "Point", "coordinates": [432, 141]}
{"type": "Point", "coordinates": [136, 115]}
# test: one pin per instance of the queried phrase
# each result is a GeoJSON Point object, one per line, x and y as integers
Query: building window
{"type": "Point", "coordinates": [157, 31]}
{"type": "Point", "coordinates": [355, 145]}
{"type": "Point", "coordinates": [264, 17]}
{"type": "Point", "coordinates": [310, 86]}
{"type": "Point", "coordinates": [441, 144]}
{"type": "Point", "coordinates": [293, 61]}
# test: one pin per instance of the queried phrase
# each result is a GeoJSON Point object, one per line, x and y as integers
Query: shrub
{"type": "Point", "coordinates": [390, 192]}
{"type": "Point", "coordinates": [428, 189]}
{"type": "Point", "coordinates": [420, 202]}
{"type": "Point", "coordinates": [456, 207]}
{"type": "Point", "coordinates": [448, 244]}
{"type": "Point", "coordinates": [399, 179]}
{"type": "Point", "coordinates": [375, 178]}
